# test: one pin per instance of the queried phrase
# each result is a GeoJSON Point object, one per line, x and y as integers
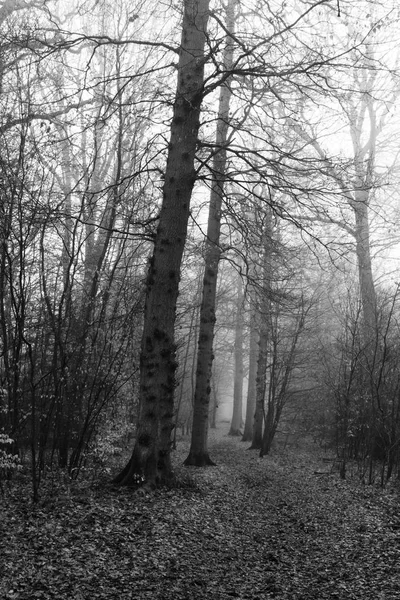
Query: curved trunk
{"type": "Point", "coordinates": [150, 461]}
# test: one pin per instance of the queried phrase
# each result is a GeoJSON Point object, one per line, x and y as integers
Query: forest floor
{"type": "Point", "coordinates": [280, 527]}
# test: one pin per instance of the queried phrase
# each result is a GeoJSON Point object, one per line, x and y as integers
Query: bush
{"type": "Point", "coordinates": [9, 463]}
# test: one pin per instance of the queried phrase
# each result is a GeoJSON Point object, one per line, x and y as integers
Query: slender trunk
{"type": "Point", "coordinates": [198, 453]}
{"type": "Point", "coordinates": [269, 429]}
{"type": "Point", "coordinates": [214, 408]}
{"type": "Point", "coordinates": [252, 388]}
{"type": "Point", "coordinates": [264, 309]}
{"type": "Point", "coordinates": [236, 422]}
{"type": "Point", "coordinates": [179, 401]}
{"type": "Point", "coordinates": [280, 376]}
{"type": "Point", "coordinates": [262, 364]}
{"type": "Point", "coordinates": [151, 461]}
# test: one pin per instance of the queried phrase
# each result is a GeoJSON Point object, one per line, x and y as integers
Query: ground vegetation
{"type": "Point", "coordinates": [285, 526]}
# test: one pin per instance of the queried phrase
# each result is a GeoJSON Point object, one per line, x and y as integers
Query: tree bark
{"type": "Point", "coordinates": [150, 461]}
{"type": "Point", "coordinates": [280, 374]}
{"type": "Point", "coordinates": [360, 206]}
{"type": "Point", "coordinates": [214, 407]}
{"type": "Point", "coordinates": [236, 422]}
{"type": "Point", "coordinates": [252, 388]}
{"type": "Point", "coordinates": [262, 362]}
{"type": "Point", "coordinates": [264, 308]}
{"type": "Point", "coordinates": [198, 453]}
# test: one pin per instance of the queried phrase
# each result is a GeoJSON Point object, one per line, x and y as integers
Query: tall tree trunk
{"type": "Point", "coordinates": [361, 111]}
{"type": "Point", "coordinates": [198, 453]}
{"type": "Point", "coordinates": [363, 251]}
{"type": "Point", "coordinates": [262, 364]}
{"type": "Point", "coordinates": [264, 308]}
{"type": "Point", "coordinates": [237, 417]}
{"type": "Point", "coordinates": [150, 461]}
{"type": "Point", "coordinates": [252, 387]}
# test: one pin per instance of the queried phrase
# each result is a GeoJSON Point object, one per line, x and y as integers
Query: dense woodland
{"type": "Point", "coordinates": [199, 223]}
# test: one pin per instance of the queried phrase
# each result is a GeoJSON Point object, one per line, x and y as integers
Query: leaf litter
{"type": "Point", "coordinates": [248, 528]}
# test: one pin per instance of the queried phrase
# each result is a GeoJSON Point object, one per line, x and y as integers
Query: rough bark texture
{"type": "Point", "coordinates": [214, 407]}
{"type": "Point", "coordinates": [150, 461]}
{"type": "Point", "coordinates": [198, 453]}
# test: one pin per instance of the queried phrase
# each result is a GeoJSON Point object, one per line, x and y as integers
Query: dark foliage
{"type": "Point", "coordinates": [279, 527]}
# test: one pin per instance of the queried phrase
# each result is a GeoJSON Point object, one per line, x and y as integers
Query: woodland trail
{"type": "Point", "coordinates": [249, 528]}
{"type": "Point", "coordinates": [276, 529]}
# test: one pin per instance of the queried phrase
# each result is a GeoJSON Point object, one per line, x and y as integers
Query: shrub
{"type": "Point", "coordinates": [9, 463]}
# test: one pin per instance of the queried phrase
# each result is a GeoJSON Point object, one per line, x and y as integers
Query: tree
{"type": "Point", "coordinates": [236, 422]}
{"type": "Point", "coordinates": [150, 460]}
{"type": "Point", "coordinates": [285, 331]}
{"type": "Point", "coordinates": [252, 376]}
{"type": "Point", "coordinates": [198, 454]}
{"type": "Point", "coordinates": [263, 308]}
{"type": "Point", "coordinates": [358, 176]}
{"type": "Point", "coordinates": [362, 99]}
{"type": "Point", "coordinates": [73, 240]}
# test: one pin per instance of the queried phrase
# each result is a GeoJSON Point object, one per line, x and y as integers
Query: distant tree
{"type": "Point", "coordinates": [358, 176]}
{"type": "Point", "coordinates": [252, 375]}
{"type": "Point", "coordinates": [263, 296]}
{"type": "Point", "coordinates": [237, 418]}
{"type": "Point", "coordinates": [353, 174]}
{"type": "Point", "coordinates": [285, 333]}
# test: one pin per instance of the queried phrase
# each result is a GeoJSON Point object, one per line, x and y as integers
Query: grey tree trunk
{"type": "Point", "coordinates": [361, 113]}
{"type": "Point", "coordinates": [261, 384]}
{"type": "Point", "coordinates": [150, 461]}
{"type": "Point", "coordinates": [214, 407]}
{"type": "Point", "coordinates": [252, 388]}
{"type": "Point", "coordinates": [264, 309]}
{"type": "Point", "coordinates": [236, 422]}
{"type": "Point", "coordinates": [280, 374]}
{"type": "Point", "coordinates": [198, 453]}
{"type": "Point", "coordinates": [360, 206]}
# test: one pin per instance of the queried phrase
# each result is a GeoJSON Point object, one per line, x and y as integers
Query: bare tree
{"type": "Point", "coordinates": [237, 418]}
{"type": "Point", "coordinates": [198, 453]}
{"type": "Point", "coordinates": [150, 459]}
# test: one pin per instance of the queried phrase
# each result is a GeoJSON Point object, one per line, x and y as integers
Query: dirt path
{"type": "Point", "coordinates": [249, 528]}
{"type": "Point", "coordinates": [273, 528]}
